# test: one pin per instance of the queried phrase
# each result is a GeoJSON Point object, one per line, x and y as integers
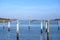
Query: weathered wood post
{"type": "Point", "coordinates": [41, 30]}
{"type": "Point", "coordinates": [28, 25]}
{"type": "Point", "coordinates": [41, 26]}
{"type": "Point", "coordinates": [8, 30]}
{"type": "Point", "coordinates": [58, 25]}
{"type": "Point", "coordinates": [8, 26]}
{"type": "Point", "coordinates": [3, 24]}
{"type": "Point", "coordinates": [17, 30]}
{"type": "Point", "coordinates": [47, 26]}
{"type": "Point", "coordinates": [47, 29]}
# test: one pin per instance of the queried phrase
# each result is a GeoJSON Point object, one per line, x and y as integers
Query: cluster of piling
{"type": "Point", "coordinates": [47, 29]}
{"type": "Point", "coordinates": [29, 21]}
{"type": "Point", "coordinates": [17, 29]}
{"type": "Point", "coordinates": [46, 25]}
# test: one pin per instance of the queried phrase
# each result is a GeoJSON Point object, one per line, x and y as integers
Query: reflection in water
{"type": "Point", "coordinates": [8, 29]}
{"type": "Point", "coordinates": [3, 28]}
{"type": "Point", "coordinates": [3, 34]}
{"type": "Point", "coordinates": [58, 28]}
{"type": "Point", "coordinates": [28, 28]}
{"type": "Point", "coordinates": [17, 36]}
{"type": "Point", "coordinates": [8, 35]}
{"type": "Point", "coordinates": [41, 36]}
{"type": "Point", "coordinates": [28, 34]}
{"type": "Point", "coordinates": [47, 36]}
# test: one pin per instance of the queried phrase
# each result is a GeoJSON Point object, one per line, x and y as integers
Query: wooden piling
{"type": "Point", "coordinates": [47, 30]}
{"type": "Point", "coordinates": [47, 26]}
{"type": "Point", "coordinates": [41, 26]}
{"type": "Point", "coordinates": [58, 25]}
{"type": "Point", "coordinates": [8, 26]}
{"type": "Point", "coordinates": [3, 24]}
{"type": "Point", "coordinates": [8, 30]}
{"type": "Point", "coordinates": [17, 30]}
{"type": "Point", "coordinates": [28, 25]}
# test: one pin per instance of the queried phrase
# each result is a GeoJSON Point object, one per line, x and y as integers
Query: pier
{"type": "Point", "coordinates": [4, 20]}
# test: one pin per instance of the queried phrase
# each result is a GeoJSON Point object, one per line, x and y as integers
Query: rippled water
{"type": "Point", "coordinates": [32, 34]}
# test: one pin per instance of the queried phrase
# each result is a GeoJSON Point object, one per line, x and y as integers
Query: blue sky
{"type": "Point", "coordinates": [30, 9]}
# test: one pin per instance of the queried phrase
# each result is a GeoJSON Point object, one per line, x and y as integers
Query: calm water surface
{"type": "Point", "coordinates": [32, 34]}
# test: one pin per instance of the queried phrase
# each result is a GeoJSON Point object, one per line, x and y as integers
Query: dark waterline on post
{"type": "Point", "coordinates": [41, 31]}
{"type": "Point", "coordinates": [47, 26]}
{"type": "Point", "coordinates": [3, 28]}
{"type": "Point", "coordinates": [40, 36]}
{"type": "Point", "coordinates": [17, 36]}
{"type": "Point", "coordinates": [28, 25]}
{"type": "Point", "coordinates": [28, 28]}
{"type": "Point", "coordinates": [47, 36]}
